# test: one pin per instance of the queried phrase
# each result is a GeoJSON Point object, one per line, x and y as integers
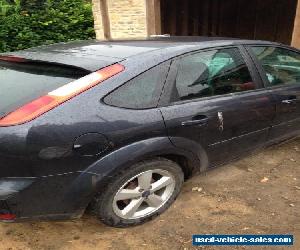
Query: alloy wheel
{"type": "Point", "coordinates": [144, 194]}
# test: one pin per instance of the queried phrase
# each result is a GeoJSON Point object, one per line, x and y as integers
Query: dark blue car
{"type": "Point", "coordinates": [120, 125]}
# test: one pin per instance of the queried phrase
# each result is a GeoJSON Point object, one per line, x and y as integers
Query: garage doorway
{"type": "Point", "coordinates": [249, 19]}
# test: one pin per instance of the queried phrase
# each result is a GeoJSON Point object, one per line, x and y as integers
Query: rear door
{"type": "Point", "coordinates": [280, 69]}
{"type": "Point", "coordinates": [214, 101]}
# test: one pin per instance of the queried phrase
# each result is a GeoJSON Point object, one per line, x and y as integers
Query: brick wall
{"type": "Point", "coordinates": [127, 18]}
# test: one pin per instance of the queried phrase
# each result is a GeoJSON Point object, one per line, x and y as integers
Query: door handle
{"type": "Point", "coordinates": [196, 121]}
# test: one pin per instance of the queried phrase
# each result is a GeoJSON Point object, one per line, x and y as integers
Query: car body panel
{"type": "Point", "coordinates": [86, 183]}
{"type": "Point", "coordinates": [246, 119]}
{"type": "Point", "coordinates": [93, 55]}
{"type": "Point", "coordinates": [43, 149]}
{"type": "Point", "coordinates": [66, 177]}
{"type": "Point", "coordinates": [286, 123]}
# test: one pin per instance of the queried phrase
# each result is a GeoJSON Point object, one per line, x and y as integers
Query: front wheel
{"type": "Point", "coordinates": [139, 193]}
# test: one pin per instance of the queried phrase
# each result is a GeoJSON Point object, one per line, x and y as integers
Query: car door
{"type": "Point", "coordinates": [213, 103]}
{"type": "Point", "coordinates": [280, 69]}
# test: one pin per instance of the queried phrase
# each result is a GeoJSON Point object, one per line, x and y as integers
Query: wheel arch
{"type": "Point", "coordinates": [98, 175]}
{"type": "Point", "coordinates": [185, 164]}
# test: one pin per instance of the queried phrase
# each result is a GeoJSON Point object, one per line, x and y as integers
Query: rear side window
{"type": "Point", "coordinates": [142, 92]}
{"type": "Point", "coordinates": [23, 82]}
{"type": "Point", "coordinates": [211, 73]}
{"type": "Point", "coordinates": [281, 66]}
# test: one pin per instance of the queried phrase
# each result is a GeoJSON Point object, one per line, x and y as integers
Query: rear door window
{"type": "Point", "coordinates": [281, 66]}
{"type": "Point", "coordinates": [23, 82]}
{"type": "Point", "coordinates": [212, 73]}
{"type": "Point", "coordinates": [142, 92]}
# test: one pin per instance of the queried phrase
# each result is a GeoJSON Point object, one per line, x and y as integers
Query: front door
{"type": "Point", "coordinates": [216, 104]}
{"type": "Point", "coordinates": [280, 68]}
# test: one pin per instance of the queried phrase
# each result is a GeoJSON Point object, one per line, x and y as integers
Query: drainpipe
{"type": "Point", "coordinates": [105, 19]}
{"type": "Point", "coordinates": [153, 17]}
{"type": "Point", "coordinates": [296, 33]}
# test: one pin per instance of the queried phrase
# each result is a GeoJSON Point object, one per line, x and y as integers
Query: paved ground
{"type": "Point", "coordinates": [256, 195]}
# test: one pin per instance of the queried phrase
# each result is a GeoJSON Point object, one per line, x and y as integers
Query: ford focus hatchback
{"type": "Point", "coordinates": [118, 126]}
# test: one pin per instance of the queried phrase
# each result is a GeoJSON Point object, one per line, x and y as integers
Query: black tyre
{"type": "Point", "coordinates": [140, 193]}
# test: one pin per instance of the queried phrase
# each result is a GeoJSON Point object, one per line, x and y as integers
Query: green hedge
{"type": "Point", "coordinates": [24, 24]}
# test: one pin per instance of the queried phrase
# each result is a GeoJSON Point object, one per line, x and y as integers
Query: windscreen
{"type": "Point", "coordinates": [23, 82]}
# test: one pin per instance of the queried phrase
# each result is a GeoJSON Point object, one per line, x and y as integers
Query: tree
{"type": "Point", "coordinates": [24, 25]}
{"type": "Point", "coordinates": [32, 5]}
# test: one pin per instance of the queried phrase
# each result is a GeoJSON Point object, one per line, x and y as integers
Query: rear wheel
{"type": "Point", "coordinates": [140, 193]}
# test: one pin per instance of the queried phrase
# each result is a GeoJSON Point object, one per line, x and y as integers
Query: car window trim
{"type": "Point", "coordinates": [170, 82]}
{"type": "Point", "coordinates": [260, 68]}
{"type": "Point", "coordinates": [252, 68]}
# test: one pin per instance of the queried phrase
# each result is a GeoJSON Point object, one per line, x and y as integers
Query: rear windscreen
{"type": "Point", "coordinates": [23, 82]}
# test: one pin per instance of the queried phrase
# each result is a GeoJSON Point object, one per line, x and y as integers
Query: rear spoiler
{"type": "Point", "coordinates": [21, 60]}
{"type": "Point", "coordinates": [88, 63]}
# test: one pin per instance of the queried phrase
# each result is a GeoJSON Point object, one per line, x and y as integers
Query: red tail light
{"type": "Point", "coordinates": [9, 58]}
{"type": "Point", "coordinates": [54, 98]}
{"type": "Point", "coordinates": [7, 217]}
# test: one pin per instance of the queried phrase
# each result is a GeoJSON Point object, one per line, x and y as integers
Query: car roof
{"type": "Point", "coordinates": [93, 54]}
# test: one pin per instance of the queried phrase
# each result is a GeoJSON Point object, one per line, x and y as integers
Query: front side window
{"type": "Point", "coordinates": [281, 66]}
{"type": "Point", "coordinates": [211, 73]}
{"type": "Point", "coordinates": [142, 92]}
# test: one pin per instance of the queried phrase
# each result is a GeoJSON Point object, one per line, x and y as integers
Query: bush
{"type": "Point", "coordinates": [24, 24]}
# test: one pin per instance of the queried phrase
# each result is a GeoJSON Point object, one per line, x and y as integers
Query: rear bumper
{"type": "Point", "coordinates": [46, 217]}
{"type": "Point", "coordinates": [51, 197]}
{"type": "Point", "coordinates": [11, 186]}
{"type": "Point", "coordinates": [6, 214]}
